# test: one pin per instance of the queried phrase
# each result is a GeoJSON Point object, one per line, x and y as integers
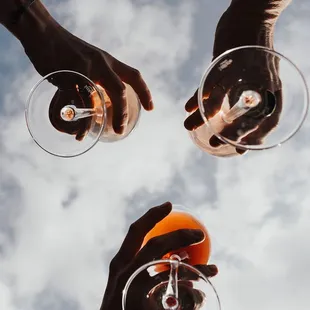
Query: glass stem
{"type": "Point", "coordinates": [249, 99]}
{"type": "Point", "coordinates": [170, 298]}
{"type": "Point", "coordinates": [71, 113]}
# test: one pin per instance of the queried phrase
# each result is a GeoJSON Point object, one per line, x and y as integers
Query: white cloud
{"type": "Point", "coordinates": [262, 251]}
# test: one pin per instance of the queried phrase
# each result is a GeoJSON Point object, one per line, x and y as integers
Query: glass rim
{"type": "Point", "coordinates": [252, 147]}
{"type": "Point", "coordinates": [165, 261]}
{"type": "Point", "coordinates": [28, 103]}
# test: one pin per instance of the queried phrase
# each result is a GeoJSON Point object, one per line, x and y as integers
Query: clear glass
{"type": "Point", "coordinates": [173, 282]}
{"type": "Point", "coordinates": [250, 98]}
{"type": "Point", "coordinates": [180, 287]}
{"type": "Point", "coordinates": [183, 218]}
{"type": "Point", "coordinates": [67, 114]}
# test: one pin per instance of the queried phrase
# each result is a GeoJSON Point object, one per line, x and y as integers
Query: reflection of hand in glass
{"type": "Point", "coordinates": [50, 48]}
{"type": "Point", "coordinates": [192, 299]}
{"type": "Point", "coordinates": [244, 23]}
{"type": "Point", "coordinates": [130, 258]}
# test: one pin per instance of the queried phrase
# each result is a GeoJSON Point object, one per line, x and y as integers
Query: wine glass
{"type": "Point", "coordinates": [67, 114]}
{"type": "Point", "coordinates": [173, 282]}
{"type": "Point", "coordinates": [250, 98]}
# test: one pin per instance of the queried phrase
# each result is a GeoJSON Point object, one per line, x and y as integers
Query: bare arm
{"type": "Point", "coordinates": [245, 22]}
{"type": "Point", "coordinates": [32, 24]}
{"type": "Point", "coordinates": [50, 48]}
{"type": "Point", "coordinates": [251, 22]}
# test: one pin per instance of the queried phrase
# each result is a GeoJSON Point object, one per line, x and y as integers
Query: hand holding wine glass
{"type": "Point", "coordinates": [51, 48]}
{"type": "Point", "coordinates": [60, 50]}
{"type": "Point", "coordinates": [240, 99]}
{"type": "Point", "coordinates": [131, 256]}
{"type": "Point", "coordinates": [263, 79]}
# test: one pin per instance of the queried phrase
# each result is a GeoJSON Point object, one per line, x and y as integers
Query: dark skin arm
{"type": "Point", "coordinates": [245, 22]}
{"type": "Point", "coordinates": [130, 257]}
{"type": "Point", "coordinates": [50, 48]}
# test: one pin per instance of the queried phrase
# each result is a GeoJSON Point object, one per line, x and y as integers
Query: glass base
{"type": "Point", "coordinates": [189, 298]}
{"type": "Point", "coordinates": [201, 137]}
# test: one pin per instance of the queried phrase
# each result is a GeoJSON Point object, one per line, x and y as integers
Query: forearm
{"type": "Point", "coordinates": [251, 22]}
{"type": "Point", "coordinates": [7, 7]}
{"type": "Point", "coordinates": [32, 25]}
{"type": "Point", "coordinates": [267, 11]}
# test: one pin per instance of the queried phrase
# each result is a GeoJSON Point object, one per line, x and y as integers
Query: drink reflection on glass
{"type": "Point", "coordinates": [250, 98]}
{"type": "Point", "coordinates": [177, 283]}
{"type": "Point", "coordinates": [67, 114]}
{"type": "Point", "coordinates": [108, 134]}
{"type": "Point", "coordinates": [180, 219]}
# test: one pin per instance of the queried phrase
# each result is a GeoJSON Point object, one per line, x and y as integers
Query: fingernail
{"type": "Point", "coordinates": [188, 109]}
{"type": "Point", "coordinates": [213, 269]}
{"type": "Point", "coordinates": [185, 124]}
{"type": "Point", "coordinates": [188, 126]}
{"type": "Point", "coordinates": [240, 151]}
{"type": "Point", "coordinates": [215, 141]}
{"type": "Point", "coordinates": [197, 234]}
{"type": "Point", "coordinates": [119, 130]}
{"type": "Point", "coordinates": [151, 105]}
{"type": "Point", "coordinates": [167, 205]}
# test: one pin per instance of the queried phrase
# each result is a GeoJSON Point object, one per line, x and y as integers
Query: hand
{"type": "Point", "coordinates": [191, 298]}
{"type": "Point", "coordinates": [264, 79]}
{"type": "Point", "coordinates": [130, 257]}
{"type": "Point", "coordinates": [57, 49]}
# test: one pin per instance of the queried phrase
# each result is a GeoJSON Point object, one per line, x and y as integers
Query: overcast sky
{"type": "Point", "coordinates": [61, 221]}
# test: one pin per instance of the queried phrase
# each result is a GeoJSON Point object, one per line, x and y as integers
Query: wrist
{"type": "Point", "coordinates": [266, 11]}
{"type": "Point", "coordinates": [244, 23]}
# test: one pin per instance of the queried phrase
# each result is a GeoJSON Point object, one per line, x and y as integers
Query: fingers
{"type": "Point", "coordinates": [156, 248]}
{"type": "Point", "coordinates": [239, 128]}
{"type": "Point", "coordinates": [212, 104]}
{"type": "Point", "coordinates": [159, 246]}
{"type": "Point", "coordinates": [133, 77]}
{"type": "Point", "coordinates": [192, 104]}
{"type": "Point", "coordinates": [256, 137]}
{"type": "Point", "coordinates": [136, 233]}
{"type": "Point", "coordinates": [234, 132]}
{"type": "Point", "coordinates": [194, 121]}
{"type": "Point", "coordinates": [216, 142]}
{"type": "Point", "coordinates": [144, 282]}
{"type": "Point", "coordinates": [207, 270]}
{"type": "Point", "coordinates": [267, 124]}
{"type": "Point", "coordinates": [117, 93]}
{"type": "Point", "coordinates": [191, 298]}
{"type": "Point", "coordinates": [60, 99]}
{"type": "Point", "coordinates": [185, 274]}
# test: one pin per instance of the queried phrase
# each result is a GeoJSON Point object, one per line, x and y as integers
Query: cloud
{"type": "Point", "coordinates": [68, 217]}
{"type": "Point", "coordinates": [64, 248]}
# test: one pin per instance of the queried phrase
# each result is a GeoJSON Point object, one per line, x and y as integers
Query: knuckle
{"type": "Point", "coordinates": [115, 263]}
{"type": "Point", "coordinates": [136, 73]}
{"type": "Point", "coordinates": [181, 234]}
{"type": "Point", "coordinates": [119, 88]}
{"type": "Point", "coordinates": [153, 242]}
{"type": "Point", "coordinates": [124, 115]}
{"type": "Point", "coordinates": [120, 114]}
{"type": "Point", "coordinates": [86, 64]}
{"type": "Point", "coordinates": [151, 211]}
{"type": "Point", "coordinates": [133, 229]}
{"type": "Point", "coordinates": [184, 237]}
{"type": "Point", "coordinates": [98, 56]}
